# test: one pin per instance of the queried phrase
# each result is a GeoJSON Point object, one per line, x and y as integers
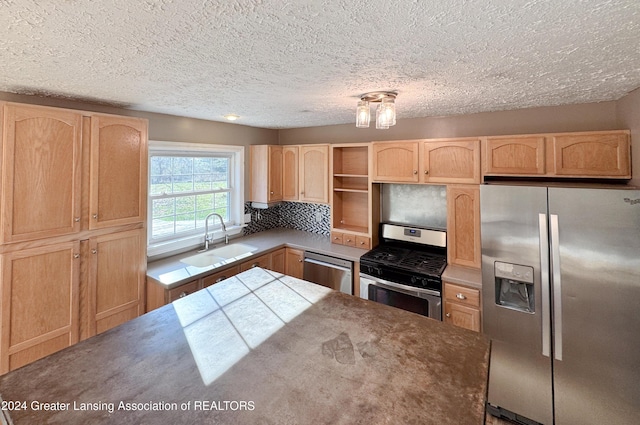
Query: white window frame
{"type": "Point", "coordinates": [236, 205]}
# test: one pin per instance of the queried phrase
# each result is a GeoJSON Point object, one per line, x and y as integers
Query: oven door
{"type": "Point", "coordinates": [417, 300]}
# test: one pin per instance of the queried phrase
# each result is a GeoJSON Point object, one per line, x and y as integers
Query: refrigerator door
{"type": "Point", "coordinates": [516, 315]}
{"type": "Point", "coordinates": [597, 327]}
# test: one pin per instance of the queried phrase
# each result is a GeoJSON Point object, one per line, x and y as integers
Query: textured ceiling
{"type": "Point", "coordinates": [283, 64]}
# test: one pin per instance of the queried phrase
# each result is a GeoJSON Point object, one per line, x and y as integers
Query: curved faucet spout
{"type": "Point", "coordinates": [207, 237]}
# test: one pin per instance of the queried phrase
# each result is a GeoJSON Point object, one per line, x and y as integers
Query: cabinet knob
{"type": "Point", "coordinates": [95, 216]}
{"type": "Point", "coordinates": [183, 294]}
{"type": "Point", "coordinates": [460, 296]}
{"type": "Point", "coordinates": [76, 255]}
{"type": "Point", "coordinates": [448, 314]}
{"type": "Point", "coordinates": [302, 193]}
{"type": "Point", "coordinates": [220, 279]}
{"type": "Point", "coordinates": [299, 261]}
{"type": "Point", "coordinates": [348, 240]}
{"type": "Point", "coordinates": [255, 265]}
{"type": "Point", "coordinates": [271, 192]}
{"type": "Point", "coordinates": [361, 242]}
{"type": "Point", "coordinates": [426, 171]}
{"type": "Point", "coordinates": [94, 251]}
{"type": "Point", "coordinates": [415, 171]}
{"type": "Point", "coordinates": [76, 219]}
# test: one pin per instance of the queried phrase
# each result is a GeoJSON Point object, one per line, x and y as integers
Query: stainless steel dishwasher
{"type": "Point", "coordinates": [334, 273]}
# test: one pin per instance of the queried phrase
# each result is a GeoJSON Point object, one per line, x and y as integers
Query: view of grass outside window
{"type": "Point", "coordinates": [183, 190]}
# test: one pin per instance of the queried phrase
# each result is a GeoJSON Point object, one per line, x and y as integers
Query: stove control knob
{"type": "Point", "coordinates": [413, 279]}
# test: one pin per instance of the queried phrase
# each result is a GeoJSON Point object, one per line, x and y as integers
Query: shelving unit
{"type": "Point", "coordinates": [353, 196]}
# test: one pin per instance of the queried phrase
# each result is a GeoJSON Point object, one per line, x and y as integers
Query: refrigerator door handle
{"type": "Point", "coordinates": [544, 283]}
{"type": "Point", "coordinates": [557, 288]}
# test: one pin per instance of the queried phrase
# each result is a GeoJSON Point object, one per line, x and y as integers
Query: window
{"type": "Point", "coordinates": [187, 182]}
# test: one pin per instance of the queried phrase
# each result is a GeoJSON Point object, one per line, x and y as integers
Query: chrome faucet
{"type": "Point", "coordinates": [208, 238]}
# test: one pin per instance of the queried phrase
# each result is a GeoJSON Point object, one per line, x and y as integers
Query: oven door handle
{"type": "Point", "coordinates": [408, 290]}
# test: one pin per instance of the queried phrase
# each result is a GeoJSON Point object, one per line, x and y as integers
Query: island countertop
{"type": "Point", "coordinates": [261, 348]}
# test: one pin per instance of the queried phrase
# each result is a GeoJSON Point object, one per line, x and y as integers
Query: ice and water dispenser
{"type": "Point", "coordinates": [514, 286]}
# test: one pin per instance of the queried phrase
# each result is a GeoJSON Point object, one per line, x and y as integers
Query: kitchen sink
{"type": "Point", "coordinates": [220, 255]}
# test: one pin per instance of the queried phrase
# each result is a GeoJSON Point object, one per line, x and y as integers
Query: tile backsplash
{"type": "Point", "coordinates": [314, 218]}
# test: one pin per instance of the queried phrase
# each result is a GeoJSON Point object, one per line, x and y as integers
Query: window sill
{"type": "Point", "coordinates": [176, 246]}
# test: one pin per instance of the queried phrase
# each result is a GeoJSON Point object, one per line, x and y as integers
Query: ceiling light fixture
{"type": "Point", "coordinates": [385, 112]}
{"type": "Point", "coordinates": [231, 117]}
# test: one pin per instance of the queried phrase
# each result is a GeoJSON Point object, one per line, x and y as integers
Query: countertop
{"type": "Point", "coordinates": [171, 272]}
{"type": "Point", "coordinates": [261, 348]}
{"type": "Point", "coordinates": [463, 276]}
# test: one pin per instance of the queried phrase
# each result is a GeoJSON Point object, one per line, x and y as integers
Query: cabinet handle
{"type": "Point", "coordinates": [448, 314]}
{"type": "Point", "coordinates": [255, 265]}
{"type": "Point", "coordinates": [426, 171]}
{"type": "Point", "coordinates": [183, 294]}
{"type": "Point", "coordinates": [220, 279]}
{"type": "Point", "coordinates": [460, 296]}
{"type": "Point", "coordinates": [76, 255]}
{"type": "Point", "coordinates": [415, 171]}
{"type": "Point", "coordinates": [348, 240]}
{"type": "Point", "coordinates": [77, 219]}
{"type": "Point", "coordinates": [94, 251]}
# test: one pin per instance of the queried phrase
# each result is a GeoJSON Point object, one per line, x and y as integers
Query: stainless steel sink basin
{"type": "Point", "coordinates": [221, 255]}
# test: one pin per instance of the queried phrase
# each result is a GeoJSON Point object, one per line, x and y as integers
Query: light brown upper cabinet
{"type": "Point", "coordinates": [116, 285]}
{"type": "Point", "coordinates": [314, 173]}
{"type": "Point", "coordinates": [118, 192]}
{"type": "Point", "coordinates": [593, 154]}
{"type": "Point", "coordinates": [450, 161]}
{"type": "Point", "coordinates": [396, 161]}
{"type": "Point", "coordinates": [41, 172]}
{"type": "Point", "coordinates": [40, 303]}
{"type": "Point", "coordinates": [463, 225]}
{"type": "Point", "coordinates": [523, 155]}
{"type": "Point", "coordinates": [266, 173]}
{"type": "Point", "coordinates": [290, 173]}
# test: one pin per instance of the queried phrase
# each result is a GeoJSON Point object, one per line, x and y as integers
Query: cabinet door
{"type": "Point", "coordinates": [40, 172]}
{"type": "Point", "coordinates": [118, 171]}
{"type": "Point", "coordinates": [592, 155]}
{"type": "Point", "coordinates": [278, 261]}
{"type": "Point", "coordinates": [395, 162]}
{"type": "Point", "coordinates": [463, 225]}
{"type": "Point", "coordinates": [116, 289]}
{"type": "Point", "coordinates": [462, 316]}
{"type": "Point", "coordinates": [314, 173]}
{"type": "Point", "coordinates": [274, 175]}
{"type": "Point", "coordinates": [451, 162]}
{"type": "Point", "coordinates": [514, 155]}
{"type": "Point", "coordinates": [290, 173]}
{"type": "Point", "coordinates": [295, 262]}
{"type": "Point", "coordinates": [40, 303]}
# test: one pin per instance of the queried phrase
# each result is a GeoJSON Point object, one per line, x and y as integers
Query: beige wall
{"type": "Point", "coordinates": [582, 117]}
{"type": "Point", "coordinates": [628, 112]}
{"type": "Point", "coordinates": [170, 127]}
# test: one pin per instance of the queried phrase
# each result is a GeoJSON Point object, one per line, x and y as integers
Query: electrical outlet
{"type": "Point", "coordinates": [318, 217]}
{"type": "Point", "coordinates": [247, 218]}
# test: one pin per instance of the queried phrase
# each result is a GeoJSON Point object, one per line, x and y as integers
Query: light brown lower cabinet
{"type": "Point", "coordinates": [116, 285]}
{"type": "Point", "coordinates": [40, 303]}
{"type": "Point", "coordinates": [279, 261]}
{"type": "Point", "coordinates": [462, 306]}
{"type": "Point", "coordinates": [294, 262]}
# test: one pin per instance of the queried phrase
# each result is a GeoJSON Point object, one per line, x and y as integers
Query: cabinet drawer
{"type": "Point", "coordinates": [183, 290]}
{"type": "Point", "coordinates": [337, 237]}
{"type": "Point", "coordinates": [462, 295]}
{"type": "Point", "coordinates": [349, 240]}
{"type": "Point", "coordinates": [363, 242]}
{"type": "Point", "coordinates": [219, 276]}
{"type": "Point", "coordinates": [263, 261]}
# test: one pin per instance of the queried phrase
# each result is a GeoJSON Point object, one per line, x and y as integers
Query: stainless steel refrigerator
{"type": "Point", "coordinates": [561, 303]}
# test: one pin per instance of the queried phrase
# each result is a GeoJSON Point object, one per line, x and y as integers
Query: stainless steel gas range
{"type": "Point", "coordinates": [405, 270]}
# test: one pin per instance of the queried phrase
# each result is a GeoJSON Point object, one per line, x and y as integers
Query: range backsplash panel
{"type": "Point", "coordinates": [314, 218]}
